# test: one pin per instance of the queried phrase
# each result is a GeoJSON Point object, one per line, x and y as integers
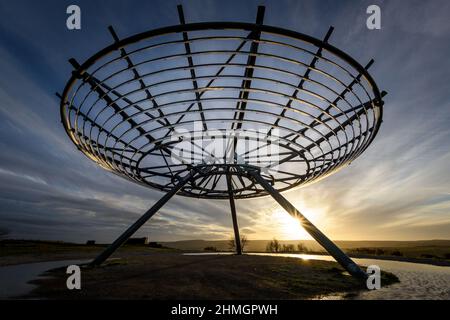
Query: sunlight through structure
{"type": "Point", "coordinates": [222, 110]}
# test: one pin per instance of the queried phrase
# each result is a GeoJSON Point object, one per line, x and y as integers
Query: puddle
{"type": "Point", "coordinates": [14, 280]}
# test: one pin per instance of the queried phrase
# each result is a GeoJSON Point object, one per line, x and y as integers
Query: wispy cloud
{"type": "Point", "coordinates": [398, 189]}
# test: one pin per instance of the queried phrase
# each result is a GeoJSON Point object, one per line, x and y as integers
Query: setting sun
{"type": "Point", "coordinates": [289, 227]}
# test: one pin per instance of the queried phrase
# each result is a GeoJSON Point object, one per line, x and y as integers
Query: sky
{"type": "Point", "coordinates": [398, 189]}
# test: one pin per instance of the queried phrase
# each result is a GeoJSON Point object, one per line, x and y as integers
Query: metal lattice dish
{"type": "Point", "coordinates": [130, 107]}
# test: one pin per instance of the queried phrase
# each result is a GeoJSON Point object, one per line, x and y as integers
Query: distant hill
{"type": "Point", "coordinates": [424, 251]}
{"type": "Point", "coordinates": [260, 245]}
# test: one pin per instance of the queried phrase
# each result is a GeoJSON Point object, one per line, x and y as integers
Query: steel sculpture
{"type": "Point", "coordinates": [288, 108]}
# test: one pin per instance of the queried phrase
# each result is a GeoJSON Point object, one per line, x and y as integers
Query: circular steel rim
{"type": "Point", "coordinates": [377, 100]}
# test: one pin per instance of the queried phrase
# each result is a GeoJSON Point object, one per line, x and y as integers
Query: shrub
{"type": "Point", "coordinates": [232, 243]}
{"type": "Point", "coordinates": [154, 245]}
{"type": "Point", "coordinates": [302, 248]}
{"type": "Point", "coordinates": [288, 248]}
{"type": "Point", "coordinates": [428, 256]}
{"type": "Point", "coordinates": [273, 246]}
{"type": "Point", "coordinates": [396, 253]}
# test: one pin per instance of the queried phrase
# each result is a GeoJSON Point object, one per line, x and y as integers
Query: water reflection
{"type": "Point", "coordinates": [14, 280]}
{"type": "Point", "coordinates": [417, 280]}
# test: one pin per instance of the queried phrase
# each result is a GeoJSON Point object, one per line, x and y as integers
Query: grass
{"type": "Point", "coordinates": [175, 276]}
{"type": "Point", "coordinates": [417, 252]}
{"type": "Point", "coordinates": [27, 251]}
{"type": "Point", "coordinates": [142, 272]}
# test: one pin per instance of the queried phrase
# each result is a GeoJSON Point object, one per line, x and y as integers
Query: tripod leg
{"type": "Point", "coordinates": [135, 226]}
{"type": "Point", "coordinates": [332, 249]}
{"type": "Point", "coordinates": [233, 216]}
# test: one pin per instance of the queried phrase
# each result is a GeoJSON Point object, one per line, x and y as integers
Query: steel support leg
{"type": "Point", "coordinates": [237, 238]}
{"type": "Point", "coordinates": [322, 239]}
{"type": "Point", "coordinates": [135, 226]}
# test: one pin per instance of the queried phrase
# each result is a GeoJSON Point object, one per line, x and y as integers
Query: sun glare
{"type": "Point", "coordinates": [289, 227]}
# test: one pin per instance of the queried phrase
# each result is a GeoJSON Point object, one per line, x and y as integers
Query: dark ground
{"type": "Point", "coordinates": [141, 272]}
{"type": "Point", "coordinates": [176, 276]}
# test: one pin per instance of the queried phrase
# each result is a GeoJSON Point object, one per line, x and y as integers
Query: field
{"type": "Point", "coordinates": [27, 251]}
{"type": "Point", "coordinates": [141, 272]}
{"type": "Point", "coordinates": [430, 251]}
{"type": "Point", "coordinates": [175, 276]}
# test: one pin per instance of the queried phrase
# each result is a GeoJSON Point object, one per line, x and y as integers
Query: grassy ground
{"type": "Point", "coordinates": [175, 276]}
{"type": "Point", "coordinates": [417, 252]}
{"type": "Point", "coordinates": [27, 251]}
{"type": "Point", "coordinates": [435, 252]}
{"type": "Point", "coordinates": [141, 272]}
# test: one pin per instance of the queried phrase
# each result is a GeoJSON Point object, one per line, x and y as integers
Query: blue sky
{"type": "Point", "coordinates": [398, 189]}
